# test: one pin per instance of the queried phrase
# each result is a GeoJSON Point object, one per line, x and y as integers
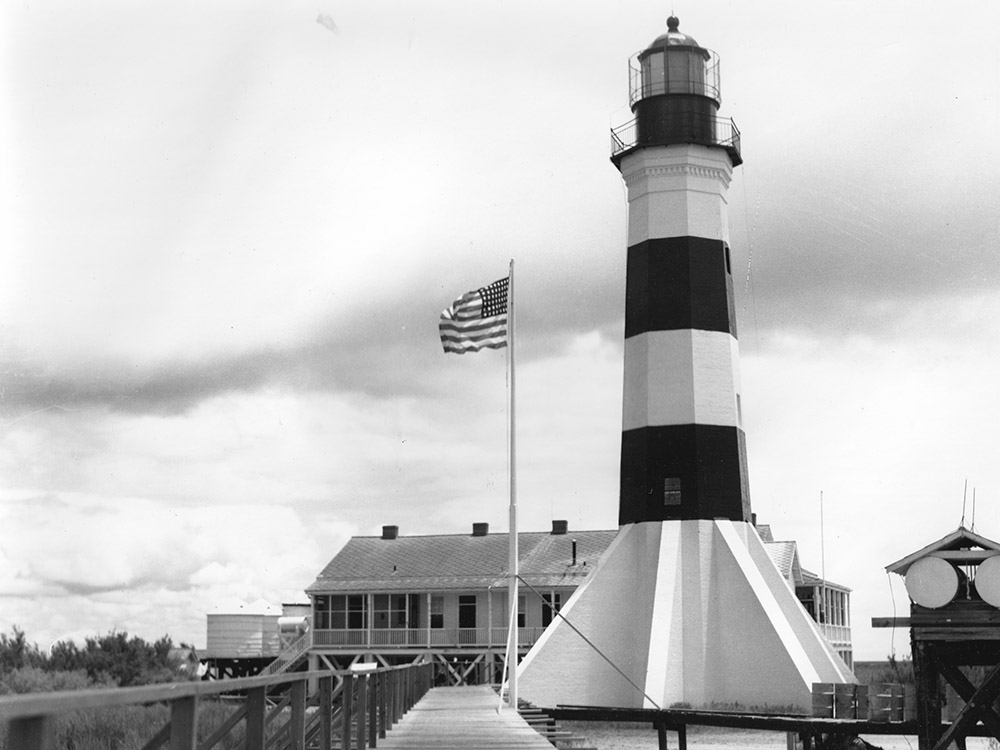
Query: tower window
{"type": "Point", "coordinates": [672, 491]}
{"type": "Point", "coordinates": [729, 266]}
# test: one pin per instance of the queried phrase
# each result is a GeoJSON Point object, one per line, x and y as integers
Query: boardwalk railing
{"type": "Point", "coordinates": [348, 710]}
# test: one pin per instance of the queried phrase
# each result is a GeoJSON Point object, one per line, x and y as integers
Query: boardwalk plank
{"type": "Point", "coordinates": [462, 718]}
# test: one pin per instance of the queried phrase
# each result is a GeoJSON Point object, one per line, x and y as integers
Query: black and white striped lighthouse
{"type": "Point", "coordinates": [685, 605]}
{"type": "Point", "coordinates": [683, 446]}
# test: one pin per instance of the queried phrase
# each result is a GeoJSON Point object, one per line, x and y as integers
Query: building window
{"type": "Point", "coordinates": [672, 491]}
{"type": "Point", "coordinates": [522, 605]}
{"type": "Point", "coordinates": [552, 603]}
{"type": "Point", "coordinates": [341, 612]}
{"type": "Point", "coordinates": [467, 611]}
{"type": "Point", "coordinates": [729, 266]}
{"type": "Point", "coordinates": [321, 611]}
{"type": "Point", "coordinates": [437, 612]}
{"type": "Point", "coordinates": [389, 611]}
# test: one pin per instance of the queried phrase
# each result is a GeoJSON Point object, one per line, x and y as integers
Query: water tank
{"type": "Point", "coordinates": [988, 580]}
{"type": "Point", "coordinates": [932, 582]}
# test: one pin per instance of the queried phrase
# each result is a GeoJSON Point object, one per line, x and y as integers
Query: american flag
{"type": "Point", "coordinates": [476, 320]}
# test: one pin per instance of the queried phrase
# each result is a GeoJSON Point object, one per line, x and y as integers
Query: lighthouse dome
{"type": "Point", "coordinates": [673, 37]}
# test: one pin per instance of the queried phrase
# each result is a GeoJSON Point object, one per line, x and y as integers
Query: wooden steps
{"type": "Point", "coordinates": [547, 727]}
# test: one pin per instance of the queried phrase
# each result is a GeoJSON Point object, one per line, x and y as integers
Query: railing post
{"type": "Point", "coordinates": [396, 691]}
{"type": "Point", "coordinates": [256, 713]}
{"type": "Point", "coordinates": [326, 713]}
{"type": "Point", "coordinates": [362, 711]}
{"type": "Point", "coordinates": [297, 721]}
{"type": "Point", "coordinates": [32, 733]}
{"type": "Point", "coordinates": [347, 712]}
{"type": "Point", "coordinates": [400, 691]}
{"type": "Point", "coordinates": [184, 723]}
{"type": "Point", "coordinates": [383, 704]}
{"type": "Point", "coordinates": [373, 711]}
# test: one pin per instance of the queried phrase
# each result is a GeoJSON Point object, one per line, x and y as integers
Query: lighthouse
{"type": "Point", "coordinates": [685, 606]}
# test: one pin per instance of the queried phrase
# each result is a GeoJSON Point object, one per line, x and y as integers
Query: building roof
{"type": "Point", "coordinates": [785, 556]}
{"type": "Point", "coordinates": [960, 539]}
{"type": "Point", "coordinates": [811, 579]}
{"type": "Point", "coordinates": [466, 561]}
{"type": "Point", "coordinates": [459, 561]}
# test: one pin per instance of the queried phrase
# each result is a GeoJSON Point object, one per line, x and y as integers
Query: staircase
{"type": "Point", "coordinates": [546, 726]}
{"type": "Point", "coordinates": [291, 656]}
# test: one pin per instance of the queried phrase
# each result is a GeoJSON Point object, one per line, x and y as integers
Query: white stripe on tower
{"type": "Point", "coordinates": [677, 191]}
{"type": "Point", "coordinates": [703, 386]}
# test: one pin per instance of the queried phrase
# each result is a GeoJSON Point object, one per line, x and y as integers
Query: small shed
{"type": "Point", "coordinates": [954, 590]}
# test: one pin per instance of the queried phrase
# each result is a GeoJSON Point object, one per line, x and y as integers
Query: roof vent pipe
{"type": "Point", "coordinates": [390, 532]}
{"type": "Point", "coordinates": [560, 527]}
{"type": "Point", "coordinates": [480, 529]}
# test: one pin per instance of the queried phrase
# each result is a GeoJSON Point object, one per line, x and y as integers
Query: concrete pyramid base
{"type": "Point", "coordinates": [691, 612]}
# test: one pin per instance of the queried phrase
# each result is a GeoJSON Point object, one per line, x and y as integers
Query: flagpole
{"type": "Point", "coordinates": [512, 639]}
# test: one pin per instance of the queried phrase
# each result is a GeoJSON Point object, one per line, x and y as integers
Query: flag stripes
{"type": "Point", "coordinates": [476, 320]}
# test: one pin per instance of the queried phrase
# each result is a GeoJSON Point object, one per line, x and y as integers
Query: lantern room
{"type": "Point", "coordinates": [674, 64]}
{"type": "Point", "coordinates": [675, 96]}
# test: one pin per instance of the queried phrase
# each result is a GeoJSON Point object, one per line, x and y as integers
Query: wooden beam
{"type": "Point", "coordinates": [890, 622]}
{"type": "Point", "coordinates": [928, 695]}
{"type": "Point", "coordinates": [347, 713]}
{"type": "Point", "coordinates": [325, 713]}
{"type": "Point", "coordinates": [972, 710]}
{"type": "Point", "coordinates": [362, 704]}
{"type": "Point", "coordinates": [256, 716]}
{"type": "Point", "coordinates": [184, 723]}
{"type": "Point", "coordinates": [965, 555]}
{"type": "Point", "coordinates": [967, 692]}
{"type": "Point", "coordinates": [297, 720]}
{"type": "Point", "coordinates": [32, 733]}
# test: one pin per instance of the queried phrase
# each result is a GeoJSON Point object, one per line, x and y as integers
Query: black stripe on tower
{"type": "Point", "coordinates": [679, 283]}
{"type": "Point", "coordinates": [684, 472]}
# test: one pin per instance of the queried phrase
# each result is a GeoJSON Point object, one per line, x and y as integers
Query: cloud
{"type": "Point", "coordinates": [324, 20]}
{"type": "Point", "coordinates": [154, 565]}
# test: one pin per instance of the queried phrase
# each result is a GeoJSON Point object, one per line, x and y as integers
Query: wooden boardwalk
{"type": "Point", "coordinates": [462, 718]}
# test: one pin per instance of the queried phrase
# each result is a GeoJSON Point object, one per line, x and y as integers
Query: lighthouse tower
{"type": "Point", "coordinates": [685, 605]}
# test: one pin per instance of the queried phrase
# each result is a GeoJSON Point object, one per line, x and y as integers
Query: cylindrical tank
{"type": "Point", "coordinates": [932, 582]}
{"type": "Point", "coordinates": [988, 580]}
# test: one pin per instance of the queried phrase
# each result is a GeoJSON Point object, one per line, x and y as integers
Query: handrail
{"type": "Point", "coordinates": [382, 695]}
{"type": "Point", "coordinates": [724, 134]}
{"type": "Point", "coordinates": [297, 649]}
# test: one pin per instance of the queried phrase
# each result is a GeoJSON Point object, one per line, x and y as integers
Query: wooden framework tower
{"type": "Point", "coordinates": [954, 590]}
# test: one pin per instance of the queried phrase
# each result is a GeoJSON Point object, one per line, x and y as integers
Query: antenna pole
{"type": "Point", "coordinates": [822, 561]}
{"type": "Point", "coordinates": [973, 527]}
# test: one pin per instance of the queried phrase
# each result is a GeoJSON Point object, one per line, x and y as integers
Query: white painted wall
{"type": "Point", "coordinates": [693, 612]}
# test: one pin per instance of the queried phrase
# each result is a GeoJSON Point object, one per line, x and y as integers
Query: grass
{"type": "Point", "coordinates": [131, 727]}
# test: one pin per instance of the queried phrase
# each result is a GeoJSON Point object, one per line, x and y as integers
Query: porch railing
{"type": "Point", "coordinates": [348, 710]}
{"type": "Point", "coordinates": [836, 634]}
{"type": "Point", "coordinates": [424, 637]}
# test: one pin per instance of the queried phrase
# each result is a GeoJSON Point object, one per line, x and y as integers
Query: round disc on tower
{"type": "Point", "coordinates": [932, 582]}
{"type": "Point", "coordinates": [988, 580]}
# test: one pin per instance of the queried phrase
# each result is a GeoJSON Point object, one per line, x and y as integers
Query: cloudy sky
{"type": "Point", "coordinates": [228, 231]}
